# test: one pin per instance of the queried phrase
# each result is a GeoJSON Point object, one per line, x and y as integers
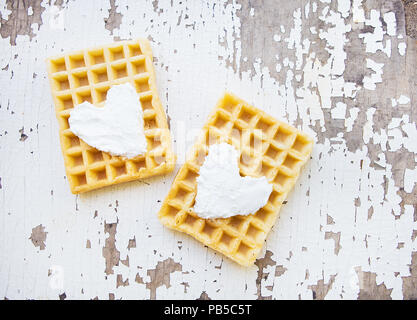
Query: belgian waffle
{"type": "Point", "coordinates": [87, 75]}
{"type": "Point", "coordinates": [267, 147]}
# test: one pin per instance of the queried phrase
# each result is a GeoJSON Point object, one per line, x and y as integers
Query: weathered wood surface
{"type": "Point", "coordinates": [349, 228]}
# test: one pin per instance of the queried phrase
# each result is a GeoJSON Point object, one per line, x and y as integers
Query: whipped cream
{"type": "Point", "coordinates": [222, 192]}
{"type": "Point", "coordinates": [117, 127]}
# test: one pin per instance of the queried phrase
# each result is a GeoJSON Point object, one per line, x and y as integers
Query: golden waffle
{"type": "Point", "coordinates": [86, 75]}
{"type": "Point", "coordinates": [267, 147]}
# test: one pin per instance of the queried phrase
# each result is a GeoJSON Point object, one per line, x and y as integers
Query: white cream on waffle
{"type": "Point", "coordinates": [117, 127]}
{"type": "Point", "coordinates": [222, 192]}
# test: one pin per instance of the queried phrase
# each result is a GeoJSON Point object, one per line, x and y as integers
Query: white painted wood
{"type": "Point", "coordinates": [327, 242]}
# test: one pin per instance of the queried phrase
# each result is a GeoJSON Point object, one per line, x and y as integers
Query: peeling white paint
{"type": "Point", "coordinates": [401, 48]}
{"type": "Point", "coordinates": [382, 161]}
{"type": "Point", "coordinates": [339, 112]}
{"type": "Point", "coordinates": [294, 39]}
{"type": "Point", "coordinates": [343, 6]}
{"type": "Point", "coordinates": [368, 127]}
{"type": "Point", "coordinates": [314, 7]}
{"type": "Point", "coordinates": [374, 40]}
{"type": "Point", "coordinates": [403, 99]}
{"type": "Point", "coordinates": [307, 10]}
{"type": "Point", "coordinates": [376, 77]}
{"type": "Point", "coordinates": [349, 121]}
{"type": "Point", "coordinates": [278, 67]}
{"type": "Point", "coordinates": [410, 179]}
{"type": "Point", "coordinates": [391, 22]}
{"type": "Point", "coordinates": [357, 11]}
{"type": "Point", "coordinates": [191, 68]}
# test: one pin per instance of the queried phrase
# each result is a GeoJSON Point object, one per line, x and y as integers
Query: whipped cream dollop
{"type": "Point", "coordinates": [117, 127]}
{"type": "Point", "coordinates": [222, 192]}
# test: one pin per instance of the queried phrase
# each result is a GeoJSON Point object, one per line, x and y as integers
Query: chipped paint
{"type": "Point", "coordinates": [161, 275]}
{"type": "Point", "coordinates": [204, 296]}
{"type": "Point", "coordinates": [38, 237]}
{"type": "Point", "coordinates": [401, 48]}
{"type": "Point", "coordinates": [263, 263]}
{"type": "Point", "coordinates": [110, 253]}
{"type": "Point", "coordinates": [370, 290]}
{"type": "Point", "coordinates": [343, 71]}
{"type": "Point", "coordinates": [20, 18]}
{"type": "Point", "coordinates": [374, 40]}
{"type": "Point", "coordinates": [410, 282]}
{"type": "Point", "coordinates": [114, 19]}
{"type": "Point", "coordinates": [376, 77]}
{"type": "Point", "coordinates": [321, 289]}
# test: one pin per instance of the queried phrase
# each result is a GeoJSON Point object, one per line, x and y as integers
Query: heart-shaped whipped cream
{"type": "Point", "coordinates": [222, 192]}
{"type": "Point", "coordinates": [117, 127]}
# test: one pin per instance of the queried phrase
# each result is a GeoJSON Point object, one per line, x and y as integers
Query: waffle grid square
{"type": "Point", "coordinates": [87, 75]}
{"type": "Point", "coordinates": [267, 147]}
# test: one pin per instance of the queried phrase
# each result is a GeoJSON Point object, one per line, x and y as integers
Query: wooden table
{"type": "Point", "coordinates": [343, 72]}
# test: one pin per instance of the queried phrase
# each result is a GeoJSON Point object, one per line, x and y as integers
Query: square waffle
{"type": "Point", "coordinates": [267, 147]}
{"type": "Point", "coordinates": [87, 75]}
